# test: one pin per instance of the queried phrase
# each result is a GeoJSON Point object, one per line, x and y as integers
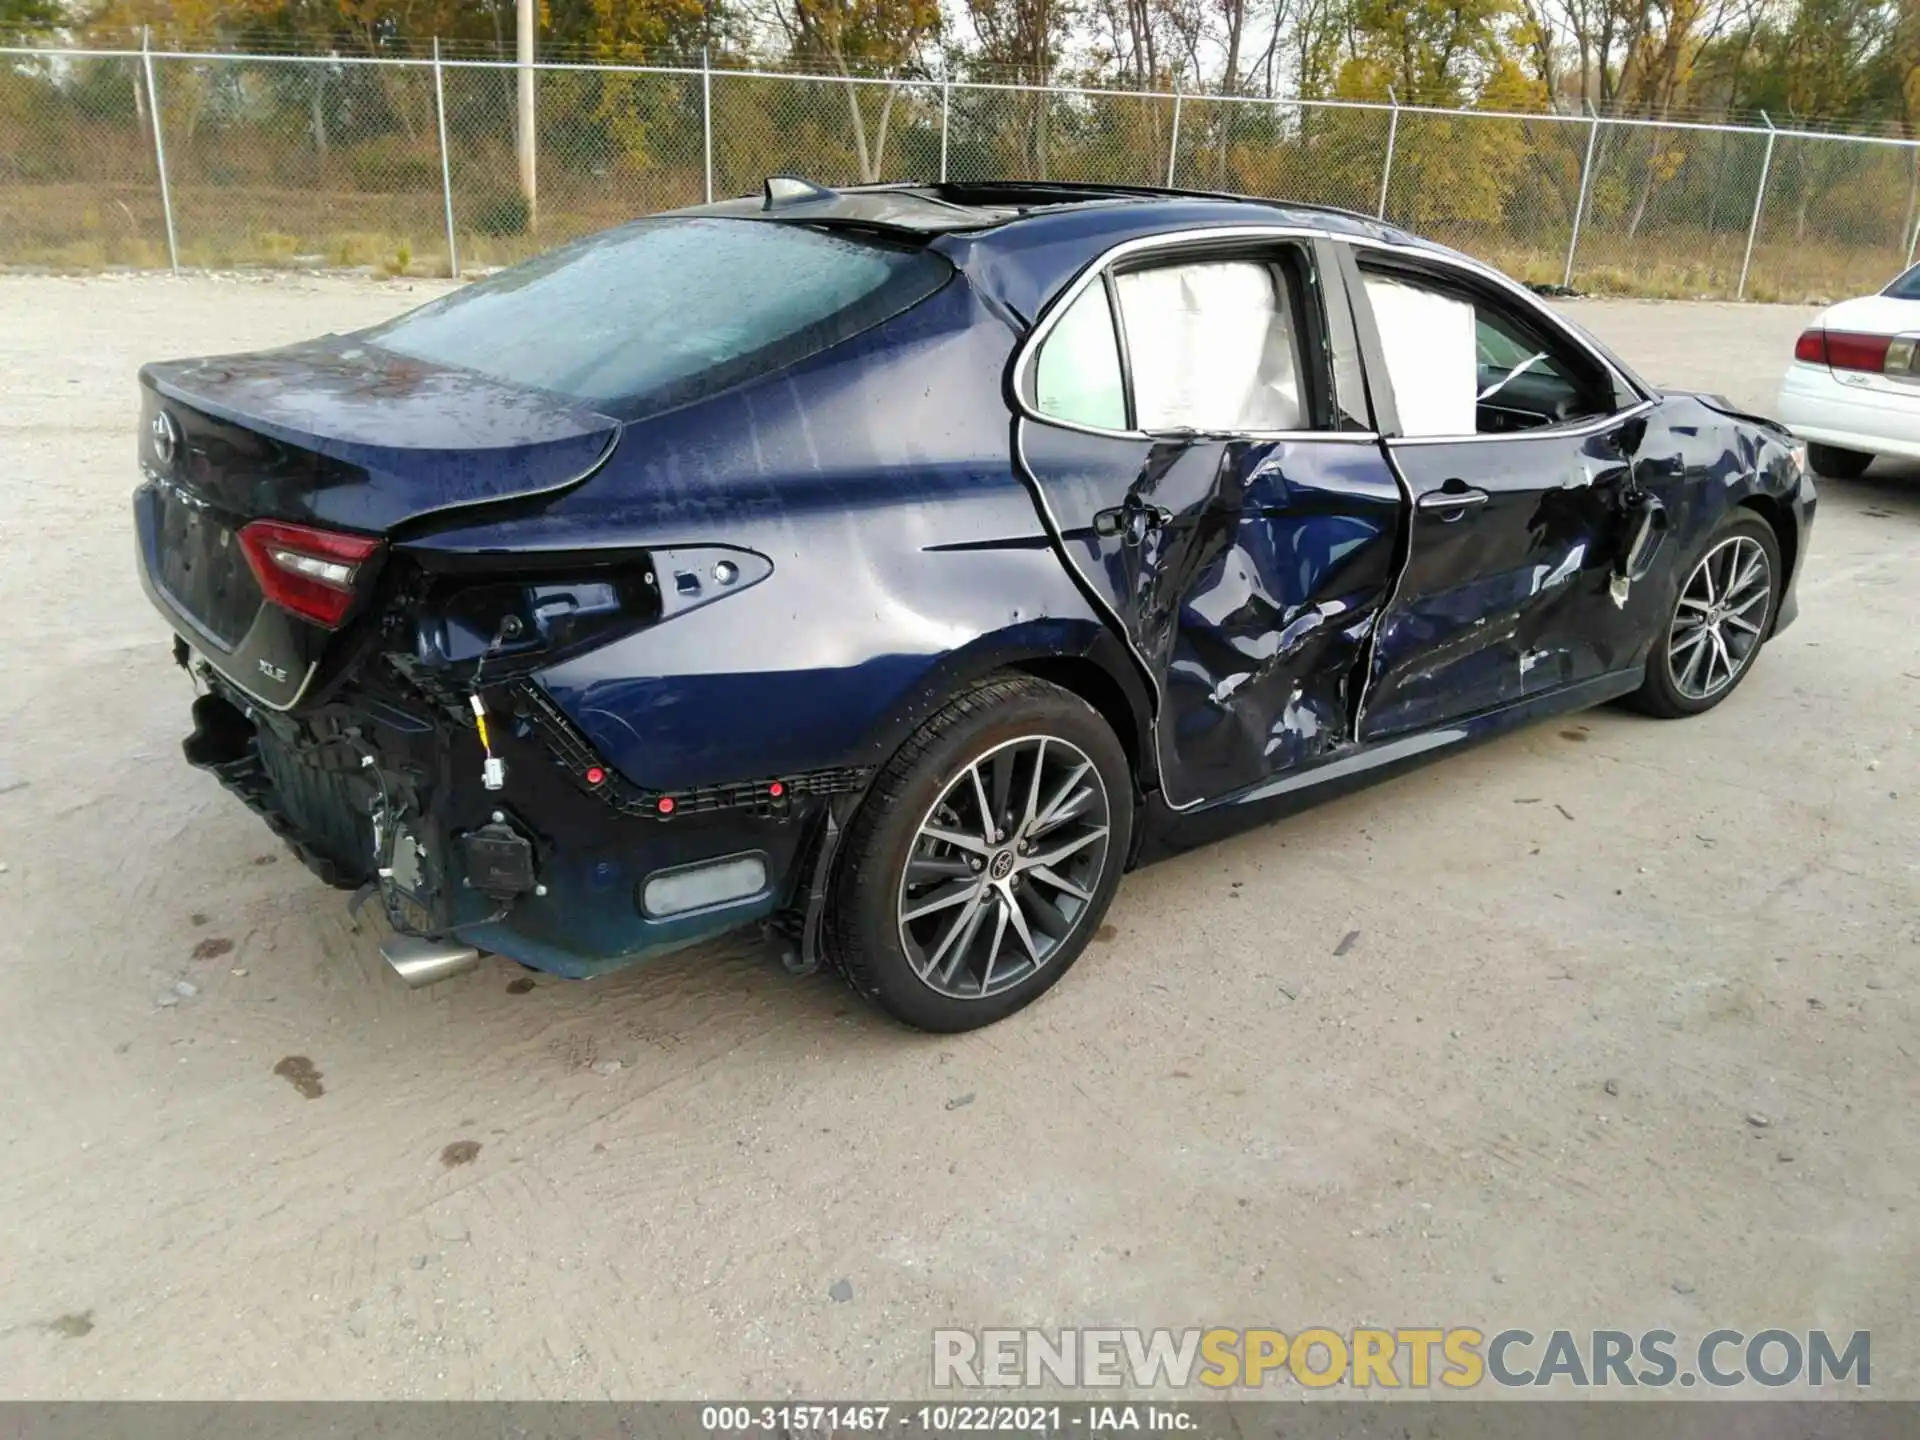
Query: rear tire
{"type": "Point", "coordinates": [1721, 615]}
{"type": "Point", "coordinates": [1837, 464]}
{"type": "Point", "coordinates": [1014, 807]}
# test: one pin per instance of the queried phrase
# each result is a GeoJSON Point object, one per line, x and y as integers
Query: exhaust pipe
{"type": "Point", "coordinates": [420, 962]}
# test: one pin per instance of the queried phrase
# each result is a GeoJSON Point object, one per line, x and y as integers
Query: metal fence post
{"type": "Point", "coordinates": [946, 111]}
{"type": "Point", "coordinates": [1173, 146]}
{"type": "Point", "coordinates": [159, 149]}
{"type": "Point", "coordinates": [1759, 199]}
{"type": "Point", "coordinates": [1393, 133]}
{"type": "Point", "coordinates": [526, 127]}
{"type": "Point", "coordinates": [1913, 240]}
{"type": "Point", "coordinates": [706, 116]}
{"type": "Point", "coordinates": [446, 168]}
{"type": "Point", "coordinates": [1580, 205]}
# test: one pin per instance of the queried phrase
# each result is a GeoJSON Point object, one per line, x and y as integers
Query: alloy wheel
{"type": "Point", "coordinates": [1721, 618]}
{"type": "Point", "coordinates": [1004, 867]}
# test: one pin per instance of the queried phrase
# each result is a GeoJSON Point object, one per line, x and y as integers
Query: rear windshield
{"type": "Point", "coordinates": [1907, 287]}
{"type": "Point", "coordinates": [664, 311]}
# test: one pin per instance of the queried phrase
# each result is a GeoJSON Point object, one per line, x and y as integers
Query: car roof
{"type": "Point", "coordinates": [1024, 239]}
{"type": "Point", "coordinates": [929, 208]}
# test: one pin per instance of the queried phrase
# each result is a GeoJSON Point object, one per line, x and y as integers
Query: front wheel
{"type": "Point", "coordinates": [984, 857]}
{"type": "Point", "coordinates": [1720, 618]}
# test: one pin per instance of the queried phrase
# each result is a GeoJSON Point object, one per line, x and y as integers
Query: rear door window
{"type": "Point", "coordinates": [1214, 346]}
{"type": "Point", "coordinates": [664, 311]}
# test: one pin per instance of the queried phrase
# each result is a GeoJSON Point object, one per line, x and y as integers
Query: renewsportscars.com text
{"type": "Point", "coordinates": [1457, 1358]}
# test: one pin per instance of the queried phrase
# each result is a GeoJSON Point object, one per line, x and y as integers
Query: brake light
{"type": "Point", "coordinates": [1848, 350]}
{"type": "Point", "coordinates": [309, 572]}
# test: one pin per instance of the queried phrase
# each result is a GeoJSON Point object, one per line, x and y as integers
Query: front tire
{"type": "Point", "coordinates": [1837, 464]}
{"type": "Point", "coordinates": [984, 857]}
{"type": "Point", "coordinates": [1721, 616]}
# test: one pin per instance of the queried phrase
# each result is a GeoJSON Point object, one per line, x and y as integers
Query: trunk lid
{"type": "Point", "coordinates": [342, 438]}
{"type": "Point", "coordinates": [342, 434]}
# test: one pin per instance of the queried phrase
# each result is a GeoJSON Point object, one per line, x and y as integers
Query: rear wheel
{"type": "Point", "coordinates": [1720, 618]}
{"type": "Point", "coordinates": [1838, 464]}
{"type": "Point", "coordinates": [984, 858]}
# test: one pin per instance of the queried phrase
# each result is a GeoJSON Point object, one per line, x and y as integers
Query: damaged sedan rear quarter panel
{"type": "Point", "coordinates": [646, 629]}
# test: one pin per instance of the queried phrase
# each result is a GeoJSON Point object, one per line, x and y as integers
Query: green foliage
{"type": "Point", "coordinates": [1428, 50]}
{"type": "Point", "coordinates": [28, 16]}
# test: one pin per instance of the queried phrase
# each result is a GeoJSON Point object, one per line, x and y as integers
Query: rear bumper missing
{"type": "Point", "coordinates": [602, 888]}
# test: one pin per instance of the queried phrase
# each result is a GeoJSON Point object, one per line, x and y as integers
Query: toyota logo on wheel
{"type": "Point", "coordinates": [165, 436]}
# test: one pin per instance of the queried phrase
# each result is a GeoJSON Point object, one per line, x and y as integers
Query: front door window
{"type": "Point", "coordinates": [1463, 364]}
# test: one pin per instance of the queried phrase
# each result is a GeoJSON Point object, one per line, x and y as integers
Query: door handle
{"type": "Point", "coordinates": [1132, 520]}
{"type": "Point", "coordinates": [1452, 500]}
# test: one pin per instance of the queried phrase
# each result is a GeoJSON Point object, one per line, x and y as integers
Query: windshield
{"type": "Point", "coordinates": [664, 311]}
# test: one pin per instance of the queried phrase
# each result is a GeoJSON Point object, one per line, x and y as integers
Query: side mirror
{"type": "Point", "coordinates": [1628, 437]}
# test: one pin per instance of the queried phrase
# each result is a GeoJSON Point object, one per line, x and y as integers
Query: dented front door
{"type": "Point", "coordinates": [1509, 588]}
{"type": "Point", "coordinates": [1247, 574]}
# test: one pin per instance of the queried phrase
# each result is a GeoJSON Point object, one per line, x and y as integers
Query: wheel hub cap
{"type": "Point", "coordinates": [1004, 868]}
{"type": "Point", "coordinates": [1720, 618]}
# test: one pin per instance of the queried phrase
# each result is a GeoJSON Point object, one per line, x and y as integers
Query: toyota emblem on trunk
{"type": "Point", "coordinates": [166, 438]}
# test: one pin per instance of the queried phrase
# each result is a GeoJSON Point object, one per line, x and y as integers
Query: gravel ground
{"type": "Point", "coordinates": [1490, 1044]}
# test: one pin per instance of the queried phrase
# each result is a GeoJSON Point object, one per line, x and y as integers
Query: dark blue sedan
{"type": "Point", "coordinates": [894, 567]}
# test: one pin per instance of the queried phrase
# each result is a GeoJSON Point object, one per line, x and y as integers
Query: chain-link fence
{"type": "Point", "coordinates": [130, 158]}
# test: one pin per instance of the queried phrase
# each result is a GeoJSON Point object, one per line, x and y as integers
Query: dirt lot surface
{"type": "Point", "coordinates": [1612, 1023]}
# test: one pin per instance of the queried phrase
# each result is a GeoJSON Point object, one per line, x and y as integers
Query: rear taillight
{"type": "Point", "coordinates": [1848, 350]}
{"type": "Point", "coordinates": [311, 573]}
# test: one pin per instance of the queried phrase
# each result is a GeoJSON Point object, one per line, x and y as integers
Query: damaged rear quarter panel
{"type": "Point", "coordinates": [906, 558]}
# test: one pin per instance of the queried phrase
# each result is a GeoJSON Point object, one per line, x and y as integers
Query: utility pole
{"type": "Point", "coordinates": [523, 36]}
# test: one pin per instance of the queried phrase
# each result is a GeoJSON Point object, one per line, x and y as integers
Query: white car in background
{"type": "Point", "coordinates": [1853, 390]}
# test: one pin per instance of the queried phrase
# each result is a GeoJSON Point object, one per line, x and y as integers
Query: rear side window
{"type": "Point", "coordinates": [664, 311]}
{"type": "Point", "coordinates": [1077, 374]}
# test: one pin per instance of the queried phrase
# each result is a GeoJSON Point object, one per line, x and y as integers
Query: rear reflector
{"type": "Point", "coordinates": [696, 887]}
{"type": "Point", "coordinates": [1846, 350]}
{"type": "Point", "coordinates": [310, 573]}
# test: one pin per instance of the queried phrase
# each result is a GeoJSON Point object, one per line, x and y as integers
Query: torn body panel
{"type": "Point", "coordinates": [1247, 575]}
